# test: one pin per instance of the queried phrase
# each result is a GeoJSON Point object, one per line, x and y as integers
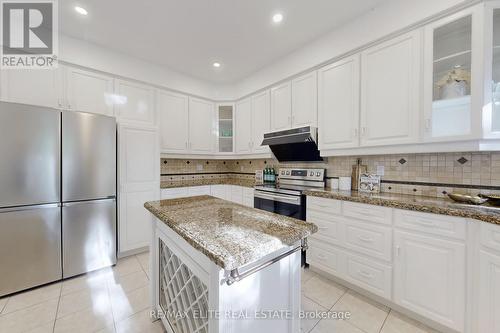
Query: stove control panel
{"type": "Point", "coordinates": [303, 174]}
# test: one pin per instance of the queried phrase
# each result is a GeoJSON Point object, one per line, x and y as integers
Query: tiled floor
{"type": "Point", "coordinates": [117, 300]}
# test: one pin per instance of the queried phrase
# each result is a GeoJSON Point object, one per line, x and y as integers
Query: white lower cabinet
{"type": "Point", "coordinates": [429, 277]}
{"type": "Point", "coordinates": [248, 199]}
{"type": "Point", "coordinates": [198, 190]}
{"type": "Point", "coordinates": [220, 191]}
{"type": "Point", "coordinates": [174, 193]}
{"type": "Point", "coordinates": [488, 320]}
{"type": "Point", "coordinates": [234, 193]}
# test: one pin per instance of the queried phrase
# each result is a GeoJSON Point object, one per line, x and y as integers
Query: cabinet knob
{"type": "Point", "coordinates": [428, 125]}
{"type": "Point", "coordinates": [363, 131]}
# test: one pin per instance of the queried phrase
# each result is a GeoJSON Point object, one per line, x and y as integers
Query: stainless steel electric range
{"type": "Point", "coordinates": [286, 197]}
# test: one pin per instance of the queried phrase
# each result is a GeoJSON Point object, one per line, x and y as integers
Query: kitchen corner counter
{"type": "Point", "coordinates": [416, 203]}
{"type": "Point", "coordinates": [229, 234]}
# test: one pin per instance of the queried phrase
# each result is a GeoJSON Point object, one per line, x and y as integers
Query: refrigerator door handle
{"type": "Point", "coordinates": [74, 203]}
{"type": "Point", "coordinates": [25, 208]}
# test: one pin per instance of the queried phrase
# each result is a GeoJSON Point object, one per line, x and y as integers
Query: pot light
{"type": "Point", "coordinates": [81, 10]}
{"type": "Point", "coordinates": [216, 64]}
{"type": "Point", "coordinates": [277, 18]}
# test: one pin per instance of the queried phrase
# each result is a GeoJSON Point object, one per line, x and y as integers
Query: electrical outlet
{"type": "Point", "coordinates": [199, 167]}
{"type": "Point", "coordinates": [380, 170]}
{"type": "Point", "coordinates": [242, 168]}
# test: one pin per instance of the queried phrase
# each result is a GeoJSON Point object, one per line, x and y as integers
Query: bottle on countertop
{"type": "Point", "coordinates": [266, 175]}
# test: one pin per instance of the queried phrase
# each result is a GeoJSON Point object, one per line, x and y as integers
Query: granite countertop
{"type": "Point", "coordinates": [207, 181]}
{"type": "Point", "coordinates": [484, 213]}
{"type": "Point", "coordinates": [229, 234]}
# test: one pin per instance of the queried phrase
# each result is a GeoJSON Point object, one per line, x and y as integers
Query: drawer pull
{"type": "Point", "coordinates": [366, 239]}
{"type": "Point", "coordinates": [323, 228]}
{"type": "Point", "coordinates": [321, 256]}
{"type": "Point", "coordinates": [425, 222]}
{"type": "Point", "coordinates": [365, 274]}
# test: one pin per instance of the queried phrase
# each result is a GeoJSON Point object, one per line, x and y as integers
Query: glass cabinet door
{"type": "Point", "coordinates": [494, 119]}
{"type": "Point", "coordinates": [449, 76]}
{"type": "Point", "coordinates": [225, 128]}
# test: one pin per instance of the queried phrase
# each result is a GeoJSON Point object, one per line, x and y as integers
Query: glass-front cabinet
{"type": "Point", "coordinates": [225, 128]}
{"type": "Point", "coordinates": [491, 107]}
{"type": "Point", "coordinates": [452, 87]}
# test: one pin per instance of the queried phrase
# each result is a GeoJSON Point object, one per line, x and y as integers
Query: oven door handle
{"type": "Point", "coordinates": [276, 197]}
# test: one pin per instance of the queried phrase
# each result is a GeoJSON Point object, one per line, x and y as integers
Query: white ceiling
{"type": "Point", "coordinates": [189, 35]}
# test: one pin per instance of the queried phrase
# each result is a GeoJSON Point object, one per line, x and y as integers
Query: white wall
{"type": "Point", "coordinates": [390, 17]}
{"type": "Point", "coordinates": [90, 55]}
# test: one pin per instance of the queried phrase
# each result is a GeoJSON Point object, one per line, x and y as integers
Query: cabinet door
{"type": "Point", "coordinates": [452, 79]}
{"type": "Point", "coordinates": [243, 127]}
{"type": "Point", "coordinates": [390, 85]}
{"type": "Point", "coordinates": [281, 107]}
{"type": "Point", "coordinates": [89, 91]}
{"type": "Point", "coordinates": [139, 174]}
{"type": "Point", "coordinates": [305, 100]}
{"type": "Point", "coordinates": [136, 104]}
{"type": "Point", "coordinates": [201, 126]}
{"type": "Point", "coordinates": [489, 292]}
{"type": "Point", "coordinates": [338, 111]}
{"type": "Point", "coordinates": [261, 120]}
{"type": "Point", "coordinates": [429, 277]}
{"type": "Point", "coordinates": [174, 122]}
{"type": "Point", "coordinates": [42, 87]}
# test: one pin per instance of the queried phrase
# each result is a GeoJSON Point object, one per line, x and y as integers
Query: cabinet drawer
{"type": "Point", "coordinates": [172, 193]}
{"type": "Point", "coordinates": [247, 192]}
{"type": "Point", "coordinates": [329, 227]}
{"type": "Point", "coordinates": [435, 224]}
{"type": "Point", "coordinates": [369, 275]}
{"type": "Point", "coordinates": [490, 235]}
{"type": "Point", "coordinates": [198, 190]}
{"type": "Point", "coordinates": [372, 240]}
{"type": "Point", "coordinates": [368, 213]}
{"type": "Point", "coordinates": [324, 205]}
{"type": "Point", "coordinates": [325, 257]}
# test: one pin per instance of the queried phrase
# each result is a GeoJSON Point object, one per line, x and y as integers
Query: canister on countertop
{"type": "Point", "coordinates": [357, 170]}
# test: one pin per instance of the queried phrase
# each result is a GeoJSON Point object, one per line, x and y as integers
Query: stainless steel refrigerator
{"type": "Point", "coordinates": [57, 194]}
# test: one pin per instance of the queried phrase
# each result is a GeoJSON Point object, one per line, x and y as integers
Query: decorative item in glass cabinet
{"type": "Point", "coordinates": [455, 84]}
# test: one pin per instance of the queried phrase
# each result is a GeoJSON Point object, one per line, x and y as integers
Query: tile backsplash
{"type": "Point", "coordinates": [420, 174]}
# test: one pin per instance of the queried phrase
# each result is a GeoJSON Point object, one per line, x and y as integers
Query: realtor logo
{"type": "Point", "coordinates": [29, 38]}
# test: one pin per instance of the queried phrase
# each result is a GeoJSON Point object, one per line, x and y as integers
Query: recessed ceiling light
{"type": "Point", "coordinates": [216, 64]}
{"type": "Point", "coordinates": [277, 18]}
{"type": "Point", "coordinates": [81, 10]}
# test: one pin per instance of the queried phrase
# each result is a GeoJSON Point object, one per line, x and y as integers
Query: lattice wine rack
{"type": "Point", "coordinates": [183, 296]}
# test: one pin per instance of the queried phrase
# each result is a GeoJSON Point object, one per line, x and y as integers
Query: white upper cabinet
{"type": "Point", "coordinates": [429, 277]}
{"type": "Point", "coordinates": [281, 107]}
{"type": "Point", "coordinates": [452, 83]}
{"type": "Point", "coordinates": [261, 120]}
{"type": "Point", "coordinates": [491, 108]}
{"type": "Point", "coordinates": [225, 122]}
{"type": "Point", "coordinates": [135, 103]}
{"type": "Point", "coordinates": [243, 127]}
{"type": "Point", "coordinates": [89, 91]}
{"type": "Point", "coordinates": [390, 91]}
{"type": "Point", "coordinates": [201, 126]}
{"type": "Point", "coordinates": [41, 87]}
{"type": "Point", "coordinates": [305, 100]}
{"type": "Point", "coordinates": [174, 121]}
{"type": "Point", "coordinates": [338, 102]}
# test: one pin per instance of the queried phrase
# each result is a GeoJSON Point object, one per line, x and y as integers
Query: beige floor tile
{"type": "Point", "coordinates": [323, 291]}
{"type": "Point", "coordinates": [125, 304]}
{"type": "Point", "coordinates": [307, 274]}
{"type": "Point", "coordinates": [97, 299]}
{"type": "Point", "coordinates": [29, 318]}
{"type": "Point", "coordinates": [3, 302]}
{"type": "Point", "coordinates": [399, 323]}
{"type": "Point", "coordinates": [144, 261]}
{"type": "Point", "coordinates": [140, 322]}
{"type": "Point", "coordinates": [335, 326]}
{"type": "Point", "coordinates": [32, 297]}
{"type": "Point", "coordinates": [128, 282]}
{"type": "Point", "coordinates": [89, 320]}
{"type": "Point", "coordinates": [126, 266]}
{"type": "Point", "coordinates": [365, 314]}
{"type": "Point", "coordinates": [88, 281]}
{"type": "Point", "coordinates": [46, 328]}
{"type": "Point", "coordinates": [308, 306]}
{"type": "Point", "coordinates": [108, 329]}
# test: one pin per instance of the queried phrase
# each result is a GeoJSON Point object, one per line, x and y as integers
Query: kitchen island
{"type": "Point", "coordinates": [222, 267]}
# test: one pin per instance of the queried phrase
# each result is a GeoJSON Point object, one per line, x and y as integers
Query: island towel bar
{"type": "Point", "coordinates": [235, 275]}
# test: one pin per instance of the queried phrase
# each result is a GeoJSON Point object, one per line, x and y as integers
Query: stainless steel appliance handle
{"type": "Point", "coordinates": [32, 207]}
{"type": "Point", "coordinates": [277, 197]}
{"type": "Point", "coordinates": [73, 203]}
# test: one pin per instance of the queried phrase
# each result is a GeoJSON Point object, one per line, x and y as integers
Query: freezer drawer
{"type": "Point", "coordinates": [30, 247]}
{"type": "Point", "coordinates": [89, 236]}
{"type": "Point", "coordinates": [30, 155]}
{"type": "Point", "coordinates": [88, 156]}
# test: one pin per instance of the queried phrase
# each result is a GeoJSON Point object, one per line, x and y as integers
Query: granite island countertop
{"type": "Point", "coordinates": [441, 206]}
{"type": "Point", "coordinates": [229, 234]}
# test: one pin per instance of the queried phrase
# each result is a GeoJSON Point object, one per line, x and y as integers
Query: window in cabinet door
{"type": "Point", "coordinates": [225, 128]}
{"type": "Point", "coordinates": [450, 114]}
{"type": "Point", "coordinates": [495, 103]}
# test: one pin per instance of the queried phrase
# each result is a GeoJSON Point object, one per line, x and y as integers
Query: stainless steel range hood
{"type": "Point", "coordinates": [294, 145]}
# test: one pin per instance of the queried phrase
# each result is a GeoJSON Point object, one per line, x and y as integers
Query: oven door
{"type": "Point", "coordinates": [283, 204]}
